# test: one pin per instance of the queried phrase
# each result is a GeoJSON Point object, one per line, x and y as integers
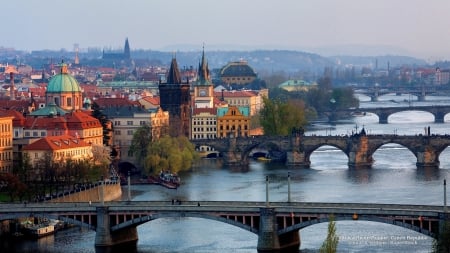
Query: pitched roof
{"type": "Point", "coordinates": [152, 100]}
{"type": "Point", "coordinates": [53, 143]}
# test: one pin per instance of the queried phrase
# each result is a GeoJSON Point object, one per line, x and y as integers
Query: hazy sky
{"type": "Point", "coordinates": [417, 27]}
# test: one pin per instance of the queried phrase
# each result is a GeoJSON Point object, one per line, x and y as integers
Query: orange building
{"type": "Point", "coordinates": [233, 120]}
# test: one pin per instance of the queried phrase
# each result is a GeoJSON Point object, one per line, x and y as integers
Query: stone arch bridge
{"type": "Point", "coordinates": [383, 113]}
{"type": "Point", "coordinates": [359, 148]}
{"type": "Point", "coordinates": [277, 224]}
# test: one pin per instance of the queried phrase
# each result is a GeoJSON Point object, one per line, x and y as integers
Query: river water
{"type": "Point", "coordinates": [392, 179]}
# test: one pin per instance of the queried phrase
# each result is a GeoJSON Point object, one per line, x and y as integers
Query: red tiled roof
{"type": "Point", "coordinates": [152, 100]}
{"type": "Point", "coordinates": [110, 102]}
{"type": "Point", "coordinates": [18, 105]}
{"type": "Point", "coordinates": [19, 119]}
{"type": "Point", "coordinates": [212, 111]}
{"type": "Point", "coordinates": [54, 143]}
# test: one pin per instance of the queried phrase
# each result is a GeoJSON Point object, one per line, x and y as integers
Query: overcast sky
{"type": "Point", "coordinates": [415, 27]}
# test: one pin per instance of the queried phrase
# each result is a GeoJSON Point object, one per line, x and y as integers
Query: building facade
{"type": "Point", "coordinates": [6, 143]}
{"type": "Point", "coordinates": [233, 120]}
{"type": "Point", "coordinates": [58, 149]}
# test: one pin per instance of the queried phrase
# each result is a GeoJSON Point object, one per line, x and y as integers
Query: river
{"type": "Point", "coordinates": [392, 179]}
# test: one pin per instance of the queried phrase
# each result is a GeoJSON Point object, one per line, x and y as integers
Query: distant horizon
{"type": "Point", "coordinates": [330, 51]}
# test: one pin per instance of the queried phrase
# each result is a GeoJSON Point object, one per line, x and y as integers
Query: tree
{"type": "Point", "coordinates": [170, 153]}
{"type": "Point", "coordinates": [98, 114]}
{"type": "Point", "coordinates": [442, 243]}
{"type": "Point", "coordinates": [331, 242]}
{"type": "Point", "coordinates": [279, 118]}
{"type": "Point", "coordinates": [141, 139]}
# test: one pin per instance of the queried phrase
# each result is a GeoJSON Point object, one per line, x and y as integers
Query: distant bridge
{"type": "Point", "coordinates": [420, 91]}
{"type": "Point", "coordinates": [359, 148]}
{"type": "Point", "coordinates": [383, 113]}
{"type": "Point", "coordinates": [277, 224]}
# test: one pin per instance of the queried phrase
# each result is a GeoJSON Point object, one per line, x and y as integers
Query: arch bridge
{"type": "Point", "coordinates": [383, 113]}
{"type": "Point", "coordinates": [359, 148]}
{"type": "Point", "coordinates": [277, 224]}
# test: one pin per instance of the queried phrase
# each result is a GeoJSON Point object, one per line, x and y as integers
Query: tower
{"type": "Point", "coordinates": [77, 59]}
{"type": "Point", "coordinates": [126, 50]}
{"type": "Point", "coordinates": [175, 98]}
{"type": "Point", "coordinates": [203, 88]}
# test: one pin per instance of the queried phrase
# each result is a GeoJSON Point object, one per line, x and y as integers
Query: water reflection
{"type": "Point", "coordinates": [360, 175]}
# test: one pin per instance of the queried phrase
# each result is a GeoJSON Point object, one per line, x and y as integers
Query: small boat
{"type": "Point", "coordinates": [39, 230]}
{"type": "Point", "coordinates": [167, 179]}
{"type": "Point", "coordinates": [264, 159]}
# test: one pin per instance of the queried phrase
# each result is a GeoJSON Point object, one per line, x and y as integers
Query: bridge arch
{"type": "Point", "coordinates": [379, 148]}
{"type": "Point", "coordinates": [141, 220]}
{"type": "Point", "coordinates": [315, 151]}
{"type": "Point", "coordinates": [377, 219]}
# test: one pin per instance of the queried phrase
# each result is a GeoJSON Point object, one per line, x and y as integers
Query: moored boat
{"type": "Point", "coordinates": [39, 230]}
{"type": "Point", "coordinates": [166, 178]}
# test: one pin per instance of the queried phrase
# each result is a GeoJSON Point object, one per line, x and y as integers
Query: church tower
{"type": "Point", "coordinates": [203, 88]}
{"type": "Point", "coordinates": [126, 50]}
{"type": "Point", "coordinates": [175, 98]}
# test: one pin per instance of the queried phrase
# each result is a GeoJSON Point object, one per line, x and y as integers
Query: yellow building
{"type": "Point", "coordinates": [233, 120]}
{"type": "Point", "coordinates": [6, 143]}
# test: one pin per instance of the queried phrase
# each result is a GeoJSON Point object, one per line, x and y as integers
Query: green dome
{"type": "Point", "coordinates": [63, 82]}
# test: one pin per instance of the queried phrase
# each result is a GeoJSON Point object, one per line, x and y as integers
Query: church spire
{"type": "Point", "coordinates": [174, 76]}
{"type": "Point", "coordinates": [203, 71]}
{"type": "Point", "coordinates": [126, 50]}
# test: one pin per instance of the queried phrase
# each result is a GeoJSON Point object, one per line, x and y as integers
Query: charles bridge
{"type": "Point", "coordinates": [277, 224]}
{"type": "Point", "coordinates": [298, 147]}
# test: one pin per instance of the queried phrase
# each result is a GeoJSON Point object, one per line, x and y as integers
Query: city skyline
{"type": "Point", "coordinates": [406, 27]}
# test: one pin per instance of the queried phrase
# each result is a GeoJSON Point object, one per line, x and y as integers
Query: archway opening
{"type": "Point", "coordinates": [328, 158]}
{"type": "Point", "coordinates": [393, 156]}
{"type": "Point", "coordinates": [407, 117]}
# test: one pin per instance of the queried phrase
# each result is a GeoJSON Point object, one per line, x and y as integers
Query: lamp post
{"type": "Point", "coordinates": [445, 195]}
{"type": "Point", "coordinates": [289, 187]}
{"type": "Point", "coordinates": [267, 191]}
{"type": "Point", "coordinates": [129, 186]}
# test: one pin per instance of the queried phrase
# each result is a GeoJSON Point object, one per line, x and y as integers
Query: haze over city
{"type": "Point", "coordinates": [402, 27]}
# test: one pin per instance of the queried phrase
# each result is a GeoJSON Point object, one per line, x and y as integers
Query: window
{"type": "Point", "coordinates": [130, 132]}
{"type": "Point", "coordinates": [142, 123]}
{"type": "Point", "coordinates": [35, 134]}
{"type": "Point", "coordinates": [117, 123]}
{"type": "Point", "coordinates": [129, 123]}
{"type": "Point", "coordinates": [43, 134]}
{"type": "Point", "coordinates": [27, 134]}
{"type": "Point", "coordinates": [117, 132]}
{"type": "Point", "coordinates": [69, 101]}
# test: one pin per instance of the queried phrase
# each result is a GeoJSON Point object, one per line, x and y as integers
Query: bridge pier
{"type": "Point", "coordinates": [104, 237]}
{"type": "Point", "coordinates": [427, 157]}
{"type": "Point", "coordinates": [297, 159]}
{"type": "Point", "coordinates": [268, 238]}
{"type": "Point", "coordinates": [359, 155]}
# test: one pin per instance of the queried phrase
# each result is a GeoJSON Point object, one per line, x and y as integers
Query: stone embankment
{"type": "Point", "coordinates": [110, 191]}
